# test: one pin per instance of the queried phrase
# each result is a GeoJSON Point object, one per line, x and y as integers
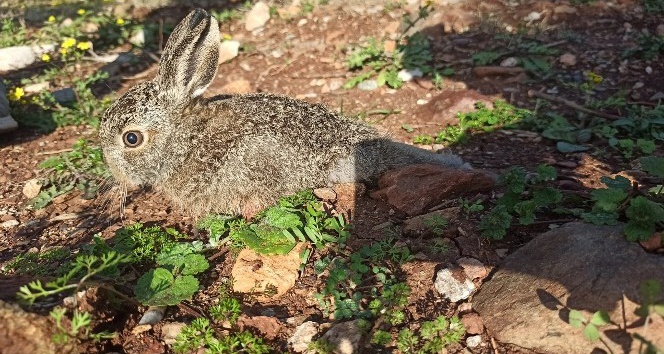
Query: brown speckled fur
{"type": "Point", "coordinates": [221, 153]}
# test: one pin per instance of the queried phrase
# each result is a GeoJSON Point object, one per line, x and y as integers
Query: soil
{"type": "Point", "coordinates": [299, 58]}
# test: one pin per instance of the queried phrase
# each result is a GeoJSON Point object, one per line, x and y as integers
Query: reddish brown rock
{"type": "Point", "coordinates": [269, 327]}
{"type": "Point", "coordinates": [472, 322]}
{"type": "Point", "coordinates": [416, 188]}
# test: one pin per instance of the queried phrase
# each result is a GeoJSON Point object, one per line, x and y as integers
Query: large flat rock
{"type": "Point", "coordinates": [580, 267]}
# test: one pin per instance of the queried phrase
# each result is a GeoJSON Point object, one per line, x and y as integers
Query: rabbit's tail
{"type": "Point", "coordinates": [372, 158]}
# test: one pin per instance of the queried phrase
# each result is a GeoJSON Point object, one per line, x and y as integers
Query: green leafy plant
{"type": "Point", "coordinates": [11, 33]}
{"type": "Point", "coordinates": [174, 280]}
{"type": "Point", "coordinates": [228, 309]}
{"type": "Point", "coordinates": [523, 197]}
{"type": "Point", "coordinates": [644, 214]}
{"type": "Point", "coordinates": [51, 262]}
{"type": "Point", "coordinates": [483, 119]}
{"type": "Point", "coordinates": [412, 53]}
{"type": "Point", "coordinates": [82, 274]}
{"type": "Point", "coordinates": [437, 224]}
{"type": "Point", "coordinates": [82, 169]}
{"type": "Point", "coordinates": [432, 337]}
{"type": "Point", "coordinates": [370, 269]}
{"type": "Point", "coordinates": [653, 303]}
{"type": "Point", "coordinates": [276, 230]}
{"type": "Point", "coordinates": [79, 327]}
{"type": "Point", "coordinates": [590, 327]}
{"type": "Point", "coordinates": [199, 334]}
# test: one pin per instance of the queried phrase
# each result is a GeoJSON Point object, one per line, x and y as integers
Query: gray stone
{"type": "Point", "coordinates": [368, 85]}
{"type": "Point", "coordinates": [64, 95]}
{"type": "Point", "coordinates": [153, 315]}
{"type": "Point", "coordinates": [345, 337]}
{"type": "Point", "coordinates": [474, 341]}
{"type": "Point", "coordinates": [257, 16]}
{"type": "Point", "coordinates": [453, 284]}
{"type": "Point", "coordinates": [303, 336]}
{"type": "Point", "coordinates": [7, 123]}
{"type": "Point", "coordinates": [19, 57]}
{"type": "Point", "coordinates": [576, 266]}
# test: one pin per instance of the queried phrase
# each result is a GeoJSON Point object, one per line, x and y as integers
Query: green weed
{"type": "Point", "coordinates": [199, 334]}
{"type": "Point", "coordinates": [11, 33]}
{"type": "Point", "coordinates": [276, 230]}
{"type": "Point", "coordinates": [523, 197]}
{"type": "Point", "coordinates": [432, 337]}
{"type": "Point", "coordinates": [82, 168]}
{"type": "Point", "coordinates": [79, 327]}
{"type": "Point", "coordinates": [49, 263]}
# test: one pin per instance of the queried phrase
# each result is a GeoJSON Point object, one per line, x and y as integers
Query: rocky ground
{"type": "Point", "coordinates": [512, 295]}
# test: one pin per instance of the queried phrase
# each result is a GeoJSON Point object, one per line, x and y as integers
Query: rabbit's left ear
{"type": "Point", "coordinates": [189, 62]}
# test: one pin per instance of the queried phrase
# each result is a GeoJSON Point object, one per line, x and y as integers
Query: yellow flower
{"type": "Point", "coordinates": [16, 94]}
{"type": "Point", "coordinates": [68, 43]}
{"type": "Point", "coordinates": [119, 22]}
{"type": "Point", "coordinates": [51, 19]}
{"type": "Point", "coordinates": [45, 57]}
{"type": "Point", "coordinates": [81, 12]}
{"type": "Point", "coordinates": [84, 45]}
{"type": "Point", "coordinates": [594, 77]}
{"type": "Point", "coordinates": [226, 37]}
{"type": "Point", "coordinates": [63, 51]}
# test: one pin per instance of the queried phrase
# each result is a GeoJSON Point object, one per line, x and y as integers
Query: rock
{"type": "Point", "coordinates": [442, 109]}
{"type": "Point", "coordinates": [648, 70]}
{"type": "Point", "coordinates": [90, 27]}
{"type": "Point", "coordinates": [510, 62]}
{"type": "Point", "coordinates": [390, 46]}
{"type": "Point", "coordinates": [31, 188]}
{"type": "Point", "coordinates": [453, 284]}
{"type": "Point", "coordinates": [267, 326]}
{"type": "Point", "coordinates": [153, 315]}
{"type": "Point", "coordinates": [659, 95]}
{"type": "Point", "coordinates": [7, 124]}
{"type": "Point", "coordinates": [415, 188]}
{"type": "Point", "coordinates": [473, 268]}
{"type": "Point", "coordinates": [345, 337]}
{"type": "Point", "coordinates": [257, 17]}
{"type": "Point", "coordinates": [169, 331]}
{"type": "Point", "coordinates": [9, 224]}
{"type": "Point", "coordinates": [254, 273]}
{"type": "Point", "coordinates": [15, 58]}
{"type": "Point", "coordinates": [302, 22]}
{"type": "Point", "coordinates": [335, 84]}
{"type": "Point", "coordinates": [472, 322]}
{"type": "Point", "coordinates": [567, 59]}
{"type": "Point", "coordinates": [368, 85]}
{"type": "Point", "coordinates": [24, 332]}
{"type": "Point", "coordinates": [138, 38]}
{"type": "Point", "coordinates": [36, 88]}
{"type": "Point", "coordinates": [228, 50]}
{"type": "Point", "coordinates": [576, 266]}
{"type": "Point", "coordinates": [660, 30]}
{"type": "Point", "coordinates": [653, 243]}
{"type": "Point", "coordinates": [325, 194]}
{"type": "Point", "coordinates": [303, 336]}
{"type": "Point", "coordinates": [65, 95]}
{"type": "Point", "coordinates": [408, 75]}
{"type": "Point", "coordinates": [474, 341]}
{"type": "Point", "coordinates": [237, 87]}
{"type": "Point", "coordinates": [421, 225]}
{"type": "Point", "coordinates": [564, 9]}
{"type": "Point", "coordinates": [533, 16]}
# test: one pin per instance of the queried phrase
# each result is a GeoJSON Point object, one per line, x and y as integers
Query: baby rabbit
{"type": "Point", "coordinates": [235, 153]}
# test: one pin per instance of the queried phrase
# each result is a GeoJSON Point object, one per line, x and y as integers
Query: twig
{"type": "Point", "coordinates": [571, 104]}
{"type": "Point", "coordinates": [493, 345]}
{"type": "Point", "coordinates": [53, 152]}
{"type": "Point", "coordinates": [318, 76]}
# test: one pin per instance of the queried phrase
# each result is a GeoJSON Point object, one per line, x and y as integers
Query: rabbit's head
{"type": "Point", "coordinates": [146, 133]}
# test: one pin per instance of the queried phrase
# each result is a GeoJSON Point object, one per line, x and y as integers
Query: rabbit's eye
{"type": "Point", "coordinates": [132, 138]}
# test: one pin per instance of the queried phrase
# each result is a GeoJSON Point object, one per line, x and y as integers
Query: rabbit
{"type": "Point", "coordinates": [231, 154]}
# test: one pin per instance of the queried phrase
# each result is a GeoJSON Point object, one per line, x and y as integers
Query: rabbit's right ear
{"type": "Point", "coordinates": [189, 62]}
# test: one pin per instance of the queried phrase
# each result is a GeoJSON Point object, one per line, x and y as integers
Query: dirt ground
{"type": "Point", "coordinates": [301, 58]}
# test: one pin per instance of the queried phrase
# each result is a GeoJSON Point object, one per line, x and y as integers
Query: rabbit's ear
{"type": "Point", "coordinates": [189, 61]}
